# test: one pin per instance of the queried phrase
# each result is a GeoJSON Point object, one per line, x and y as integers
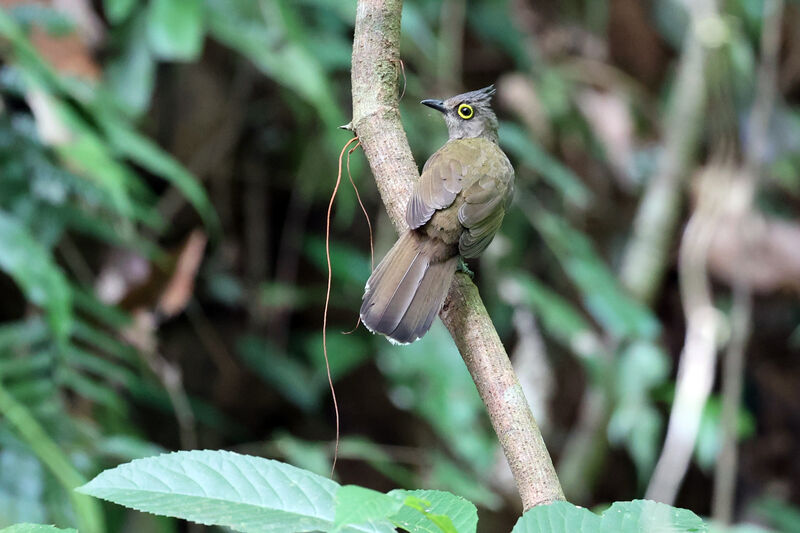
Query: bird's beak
{"type": "Point", "coordinates": [438, 105]}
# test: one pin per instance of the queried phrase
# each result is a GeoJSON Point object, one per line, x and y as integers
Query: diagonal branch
{"type": "Point", "coordinates": [376, 121]}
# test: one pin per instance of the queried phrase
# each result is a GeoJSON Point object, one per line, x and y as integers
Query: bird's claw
{"type": "Point", "coordinates": [462, 267]}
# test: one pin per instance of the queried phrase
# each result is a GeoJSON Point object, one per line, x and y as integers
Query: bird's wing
{"type": "Point", "coordinates": [439, 184]}
{"type": "Point", "coordinates": [485, 204]}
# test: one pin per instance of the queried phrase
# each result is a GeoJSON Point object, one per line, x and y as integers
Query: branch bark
{"type": "Point", "coordinates": [376, 121]}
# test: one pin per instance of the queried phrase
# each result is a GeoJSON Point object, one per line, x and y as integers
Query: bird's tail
{"type": "Point", "coordinates": [406, 290]}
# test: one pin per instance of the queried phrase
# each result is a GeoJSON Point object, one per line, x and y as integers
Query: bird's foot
{"type": "Point", "coordinates": [462, 267]}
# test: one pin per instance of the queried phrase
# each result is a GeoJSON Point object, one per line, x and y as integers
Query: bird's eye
{"type": "Point", "coordinates": [465, 111]}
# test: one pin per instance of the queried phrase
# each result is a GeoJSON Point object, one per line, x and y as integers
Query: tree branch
{"type": "Point", "coordinates": [376, 121]}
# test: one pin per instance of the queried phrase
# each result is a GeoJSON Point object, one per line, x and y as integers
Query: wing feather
{"type": "Point", "coordinates": [482, 212]}
{"type": "Point", "coordinates": [437, 188]}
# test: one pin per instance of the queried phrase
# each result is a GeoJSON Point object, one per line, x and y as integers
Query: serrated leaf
{"type": "Point", "coordinates": [441, 512]}
{"type": "Point", "coordinates": [359, 505]}
{"type": "Point", "coordinates": [35, 528]}
{"type": "Point", "coordinates": [638, 516]}
{"type": "Point", "coordinates": [175, 28]}
{"type": "Point", "coordinates": [33, 269]}
{"type": "Point", "coordinates": [244, 493]}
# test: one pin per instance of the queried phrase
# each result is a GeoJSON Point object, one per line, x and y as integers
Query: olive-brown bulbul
{"type": "Point", "coordinates": [455, 210]}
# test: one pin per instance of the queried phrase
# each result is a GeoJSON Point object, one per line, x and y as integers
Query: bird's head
{"type": "Point", "coordinates": [468, 115]}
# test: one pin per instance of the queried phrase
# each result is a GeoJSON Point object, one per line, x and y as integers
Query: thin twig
{"type": "Point", "coordinates": [376, 120]}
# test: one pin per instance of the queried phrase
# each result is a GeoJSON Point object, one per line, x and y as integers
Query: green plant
{"type": "Point", "coordinates": [252, 494]}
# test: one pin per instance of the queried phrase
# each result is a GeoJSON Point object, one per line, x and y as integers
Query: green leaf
{"type": "Point", "coordinates": [309, 455]}
{"type": "Point", "coordinates": [22, 367]}
{"type": "Point", "coordinates": [262, 32]}
{"type": "Point", "coordinates": [288, 376]}
{"type": "Point", "coordinates": [118, 10]}
{"type": "Point", "coordinates": [558, 517]}
{"type": "Point", "coordinates": [605, 299]}
{"type": "Point", "coordinates": [781, 515]}
{"type": "Point", "coordinates": [639, 516]}
{"type": "Point", "coordinates": [130, 76]}
{"type": "Point", "coordinates": [636, 422]}
{"type": "Point", "coordinates": [35, 528]}
{"type": "Point", "coordinates": [358, 505]}
{"type": "Point", "coordinates": [645, 516]}
{"type": "Point", "coordinates": [127, 447]}
{"type": "Point", "coordinates": [349, 265]}
{"type": "Point", "coordinates": [532, 155]}
{"type": "Point", "coordinates": [143, 151]}
{"type": "Point", "coordinates": [349, 352]}
{"type": "Point", "coordinates": [429, 378]}
{"type": "Point", "coordinates": [23, 333]}
{"type": "Point", "coordinates": [17, 414]}
{"type": "Point", "coordinates": [244, 493]}
{"type": "Point", "coordinates": [34, 270]}
{"type": "Point", "coordinates": [558, 316]}
{"type": "Point", "coordinates": [434, 511]}
{"type": "Point", "coordinates": [709, 435]}
{"type": "Point", "coordinates": [175, 29]}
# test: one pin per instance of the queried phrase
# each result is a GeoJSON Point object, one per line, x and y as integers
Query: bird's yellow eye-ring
{"type": "Point", "coordinates": [465, 111]}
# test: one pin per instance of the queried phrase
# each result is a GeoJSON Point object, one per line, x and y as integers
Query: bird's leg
{"type": "Point", "coordinates": [462, 267]}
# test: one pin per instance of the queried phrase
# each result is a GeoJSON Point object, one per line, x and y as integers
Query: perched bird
{"type": "Point", "coordinates": [455, 210]}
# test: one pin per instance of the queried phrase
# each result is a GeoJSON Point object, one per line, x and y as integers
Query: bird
{"type": "Point", "coordinates": [456, 207]}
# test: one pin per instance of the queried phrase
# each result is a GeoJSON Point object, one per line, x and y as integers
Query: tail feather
{"type": "Point", "coordinates": [427, 302]}
{"type": "Point", "coordinates": [407, 289]}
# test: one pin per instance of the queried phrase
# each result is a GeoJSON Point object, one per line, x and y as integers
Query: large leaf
{"type": "Point", "coordinates": [439, 512]}
{"type": "Point", "coordinates": [357, 505]}
{"type": "Point", "coordinates": [558, 517]}
{"type": "Point", "coordinates": [175, 28]}
{"type": "Point", "coordinates": [639, 516]}
{"type": "Point", "coordinates": [244, 493]}
{"type": "Point", "coordinates": [34, 270]}
{"type": "Point", "coordinates": [647, 516]}
{"type": "Point", "coordinates": [35, 528]}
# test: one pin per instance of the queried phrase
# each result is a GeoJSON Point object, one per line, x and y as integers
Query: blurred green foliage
{"type": "Point", "coordinates": [89, 169]}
